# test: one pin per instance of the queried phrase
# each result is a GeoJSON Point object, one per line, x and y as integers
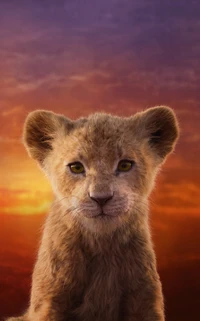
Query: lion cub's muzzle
{"type": "Point", "coordinates": [101, 200]}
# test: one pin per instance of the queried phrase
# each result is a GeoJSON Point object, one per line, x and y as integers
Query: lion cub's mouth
{"type": "Point", "coordinates": [102, 215]}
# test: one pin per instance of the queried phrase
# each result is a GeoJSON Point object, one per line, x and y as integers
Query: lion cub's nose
{"type": "Point", "coordinates": [101, 200]}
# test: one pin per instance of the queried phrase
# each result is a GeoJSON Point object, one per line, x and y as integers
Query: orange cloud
{"type": "Point", "coordinates": [24, 202]}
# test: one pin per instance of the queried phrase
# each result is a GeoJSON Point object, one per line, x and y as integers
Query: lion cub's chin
{"type": "Point", "coordinates": [100, 226]}
{"type": "Point", "coordinates": [102, 215]}
{"type": "Point", "coordinates": [102, 223]}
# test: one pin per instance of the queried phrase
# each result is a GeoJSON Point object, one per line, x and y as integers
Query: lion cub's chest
{"type": "Point", "coordinates": [102, 294]}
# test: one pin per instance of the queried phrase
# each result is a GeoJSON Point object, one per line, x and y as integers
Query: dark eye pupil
{"type": "Point", "coordinates": [124, 165]}
{"type": "Point", "coordinates": [78, 167]}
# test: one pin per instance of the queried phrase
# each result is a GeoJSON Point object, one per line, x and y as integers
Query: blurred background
{"type": "Point", "coordinates": [118, 56]}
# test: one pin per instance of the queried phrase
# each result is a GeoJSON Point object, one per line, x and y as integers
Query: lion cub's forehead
{"type": "Point", "coordinates": [102, 128]}
{"type": "Point", "coordinates": [101, 137]}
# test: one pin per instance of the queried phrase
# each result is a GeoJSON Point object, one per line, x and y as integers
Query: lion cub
{"type": "Point", "coordinates": [96, 260]}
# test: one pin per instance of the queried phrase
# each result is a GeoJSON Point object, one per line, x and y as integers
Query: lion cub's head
{"type": "Point", "coordinates": [102, 167]}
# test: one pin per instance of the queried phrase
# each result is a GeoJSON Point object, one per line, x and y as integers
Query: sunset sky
{"type": "Point", "coordinates": [118, 56]}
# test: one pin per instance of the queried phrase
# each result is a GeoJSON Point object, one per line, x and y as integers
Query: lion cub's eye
{"type": "Point", "coordinates": [77, 168]}
{"type": "Point", "coordinates": [125, 165]}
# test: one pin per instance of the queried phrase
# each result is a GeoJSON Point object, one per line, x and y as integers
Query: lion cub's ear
{"type": "Point", "coordinates": [159, 126]}
{"type": "Point", "coordinates": [40, 129]}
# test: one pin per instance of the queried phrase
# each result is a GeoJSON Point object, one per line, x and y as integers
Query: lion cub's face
{"type": "Point", "coordinates": [101, 168]}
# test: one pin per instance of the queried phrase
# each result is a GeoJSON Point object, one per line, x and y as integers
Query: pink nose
{"type": "Point", "coordinates": [101, 200]}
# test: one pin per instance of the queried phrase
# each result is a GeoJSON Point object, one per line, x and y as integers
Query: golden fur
{"type": "Point", "coordinates": [92, 267]}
